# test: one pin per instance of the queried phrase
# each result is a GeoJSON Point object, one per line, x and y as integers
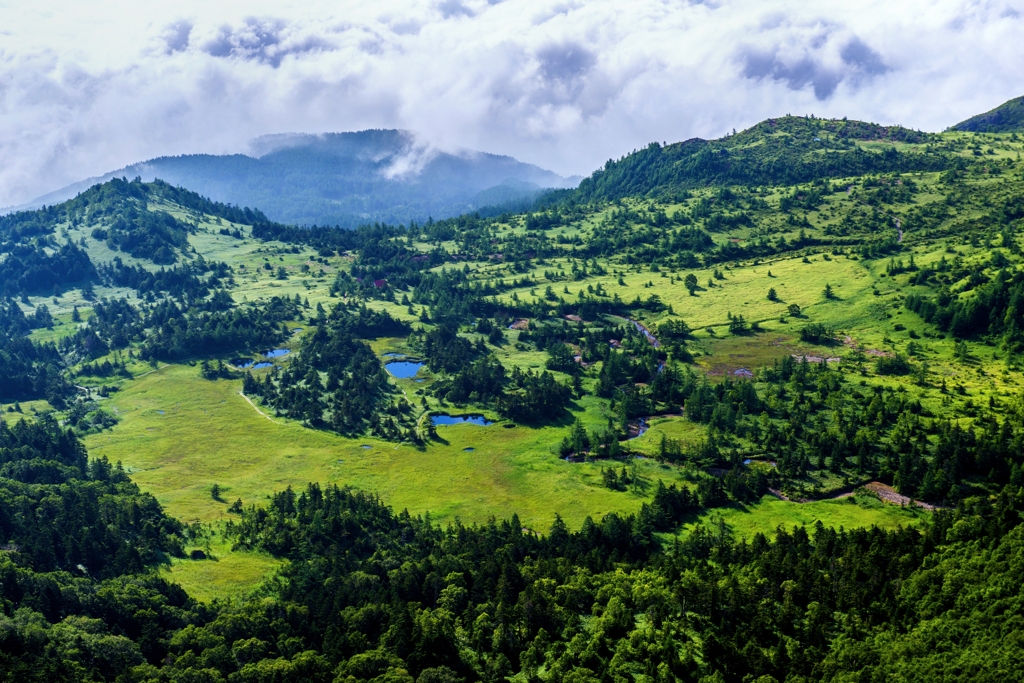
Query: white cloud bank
{"type": "Point", "coordinates": [89, 87]}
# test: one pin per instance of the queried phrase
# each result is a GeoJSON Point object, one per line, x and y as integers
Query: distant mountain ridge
{"type": "Point", "coordinates": [1008, 117]}
{"type": "Point", "coordinates": [344, 179]}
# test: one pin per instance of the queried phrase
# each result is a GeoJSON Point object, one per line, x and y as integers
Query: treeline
{"type": "Point", "coordinates": [994, 309]}
{"type": "Point", "coordinates": [369, 594]}
{"type": "Point", "coordinates": [77, 537]}
{"type": "Point", "coordinates": [29, 370]}
{"type": "Point", "coordinates": [177, 333]}
{"type": "Point", "coordinates": [476, 376]}
{"type": "Point", "coordinates": [187, 282]}
{"type": "Point", "coordinates": [31, 269]}
{"type": "Point", "coordinates": [336, 381]}
{"type": "Point", "coordinates": [392, 596]}
{"type": "Point", "coordinates": [790, 150]}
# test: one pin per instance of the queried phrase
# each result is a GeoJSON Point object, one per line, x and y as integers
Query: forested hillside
{"type": "Point", "coordinates": [747, 409]}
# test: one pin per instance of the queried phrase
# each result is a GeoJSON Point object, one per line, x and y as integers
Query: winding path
{"type": "Point", "coordinates": [256, 408]}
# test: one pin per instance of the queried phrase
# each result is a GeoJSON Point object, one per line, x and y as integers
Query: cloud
{"type": "Point", "coordinates": [96, 86]}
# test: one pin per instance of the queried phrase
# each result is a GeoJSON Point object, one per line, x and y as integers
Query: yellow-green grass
{"type": "Point", "coordinates": [210, 434]}
{"type": "Point", "coordinates": [227, 574]}
{"type": "Point", "coordinates": [766, 516]}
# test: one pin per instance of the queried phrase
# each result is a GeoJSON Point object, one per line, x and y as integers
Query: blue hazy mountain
{"type": "Point", "coordinates": [345, 178]}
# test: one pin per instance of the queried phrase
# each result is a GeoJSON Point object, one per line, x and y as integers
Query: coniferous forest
{"type": "Point", "coordinates": [733, 411]}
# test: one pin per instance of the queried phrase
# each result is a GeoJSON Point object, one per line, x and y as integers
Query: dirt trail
{"type": "Point", "coordinates": [890, 495]}
{"type": "Point", "coordinates": [256, 408]}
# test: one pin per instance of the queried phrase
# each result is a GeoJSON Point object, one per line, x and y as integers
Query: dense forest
{"type": "Point", "coordinates": [565, 324]}
{"type": "Point", "coordinates": [374, 595]}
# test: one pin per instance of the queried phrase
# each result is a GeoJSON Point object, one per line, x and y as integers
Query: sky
{"type": "Point", "coordinates": [87, 88]}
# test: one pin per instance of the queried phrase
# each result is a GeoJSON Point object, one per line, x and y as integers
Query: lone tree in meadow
{"type": "Point", "coordinates": [772, 294]}
{"type": "Point", "coordinates": [829, 294]}
{"type": "Point", "coordinates": [690, 282]}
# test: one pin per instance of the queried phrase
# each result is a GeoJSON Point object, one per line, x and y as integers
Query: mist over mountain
{"type": "Point", "coordinates": [345, 179]}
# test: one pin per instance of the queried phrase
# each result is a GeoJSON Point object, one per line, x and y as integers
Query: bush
{"type": "Point", "coordinates": [817, 333]}
{"type": "Point", "coordinates": [895, 365]}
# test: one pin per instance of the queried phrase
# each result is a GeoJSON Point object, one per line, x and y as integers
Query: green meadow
{"type": "Point", "coordinates": [770, 514]}
{"type": "Point", "coordinates": [179, 434]}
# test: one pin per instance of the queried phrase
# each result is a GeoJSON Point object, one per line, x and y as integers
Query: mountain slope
{"type": "Point", "coordinates": [782, 151]}
{"type": "Point", "coordinates": [343, 179]}
{"type": "Point", "coordinates": [1008, 117]}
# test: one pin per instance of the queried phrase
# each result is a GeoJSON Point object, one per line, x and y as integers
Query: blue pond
{"type": "Point", "coordinates": [243, 363]}
{"type": "Point", "coordinates": [469, 448]}
{"type": "Point", "coordinates": [403, 369]}
{"type": "Point", "coordinates": [260, 366]}
{"type": "Point", "coordinates": [461, 419]}
{"type": "Point", "coordinates": [275, 353]}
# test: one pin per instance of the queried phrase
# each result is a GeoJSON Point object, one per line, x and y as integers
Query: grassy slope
{"type": "Point", "coordinates": [209, 434]}
{"type": "Point", "coordinates": [860, 510]}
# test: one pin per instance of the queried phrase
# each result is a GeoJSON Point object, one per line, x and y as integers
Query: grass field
{"type": "Point", "coordinates": [179, 434]}
{"type": "Point", "coordinates": [225, 575]}
{"type": "Point", "coordinates": [861, 510]}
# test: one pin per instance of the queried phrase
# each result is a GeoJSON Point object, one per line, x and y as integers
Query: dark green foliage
{"type": "Point", "coordinates": [534, 397]}
{"type": "Point", "coordinates": [896, 364]}
{"type": "Point", "coordinates": [176, 333]}
{"type": "Point", "coordinates": [59, 511]}
{"type": "Point", "coordinates": [481, 381]}
{"type": "Point", "coordinates": [335, 381]}
{"type": "Point", "coordinates": [445, 351]}
{"type": "Point", "coordinates": [181, 282]}
{"type": "Point", "coordinates": [28, 370]}
{"type": "Point", "coordinates": [146, 234]}
{"type": "Point", "coordinates": [995, 308]}
{"type": "Point", "coordinates": [817, 333]}
{"type": "Point", "coordinates": [30, 269]}
{"type": "Point", "coordinates": [562, 358]}
{"type": "Point", "coordinates": [1006, 118]}
{"type": "Point", "coordinates": [791, 150]}
{"type": "Point", "coordinates": [215, 370]}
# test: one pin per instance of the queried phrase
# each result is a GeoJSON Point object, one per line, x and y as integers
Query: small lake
{"type": "Point", "coordinates": [403, 369]}
{"type": "Point", "coordinates": [460, 420]}
{"type": "Point", "coordinates": [261, 366]}
{"type": "Point", "coordinates": [276, 353]}
{"type": "Point", "coordinates": [243, 363]}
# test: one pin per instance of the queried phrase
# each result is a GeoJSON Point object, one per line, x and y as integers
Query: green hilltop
{"type": "Point", "coordinates": [732, 410]}
{"type": "Point", "coordinates": [1006, 118]}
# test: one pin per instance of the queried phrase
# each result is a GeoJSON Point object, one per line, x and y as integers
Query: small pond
{"type": "Point", "coordinates": [461, 419]}
{"type": "Point", "coordinates": [403, 369]}
{"type": "Point", "coordinates": [469, 448]}
{"type": "Point", "coordinates": [243, 363]}
{"type": "Point", "coordinates": [261, 366]}
{"type": "Point", "coordinates": [276, 353]}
